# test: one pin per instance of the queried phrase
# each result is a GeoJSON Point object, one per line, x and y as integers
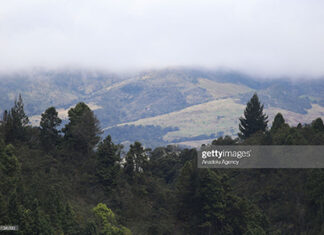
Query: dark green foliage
{"type": "Point", "coordinates": [136, 159]}
{"type": "Point", "coordinates": [282, 134]}
{"type": "Point", "coordinates": [9, 175]}
{"type": "Point", "coordinates": [254, 119]}
{"type": "Point", "coordinates": [259, 138]}
{"type": "Point", "coordinates": [158, 191]}
{"type": "Point", "coordinates": [227, 140]}
{"type": "Point", "coordinates": [90, 229]}
{"type": "Point", "coordinates": [165, 163]}
{"type": "Point", "coordinates": [278, 122]}
{"type": "Point", "coordinates": [69, 224]}
{"type": "Point", "coordinates": [39, 223]}
{"type": "Point", "coordinates": [9, 169]}
{"type": "Point", "coordinates": [318, 124]}
{"type": "Point", "coordinates": [14, 122]}
{"type": "Point", "coordinates": [207, 205]}
{"type": "Point", "coordinates": [83, 130]}
{"type": "Point", "coordinates": [48, 124]}
{"type": "Point", "coordinates": [315, 198]}
{"type": "Point", "coordinates": [108, 162]}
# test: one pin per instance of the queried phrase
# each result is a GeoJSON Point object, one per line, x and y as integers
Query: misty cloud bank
{"type": "Point", "coordinates": [269, 38]}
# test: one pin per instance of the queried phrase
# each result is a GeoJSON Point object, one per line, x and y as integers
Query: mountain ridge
{"type": "Point", "coordinates": [134, 98]}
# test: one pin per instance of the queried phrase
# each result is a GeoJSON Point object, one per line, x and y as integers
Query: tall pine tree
{"type": "Point", "coordinates": [15, 121]}
{"type": "Point", "coordinates": [48, 125]}
{"type": "Point", "coordinates": [108, 157]}
{"type": "Point", "coordinates": [254, 119]}
{"type": "Point", "coordinates": [136, 159]}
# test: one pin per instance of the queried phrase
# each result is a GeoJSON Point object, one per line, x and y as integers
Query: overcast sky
{"type": "Point", "coordinates": [264, 37]}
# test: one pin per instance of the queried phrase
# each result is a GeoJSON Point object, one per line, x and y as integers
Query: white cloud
{"type": "Point", "coordinates": [268, 37]}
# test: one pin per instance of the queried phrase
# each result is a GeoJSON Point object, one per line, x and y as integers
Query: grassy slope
{"type": "Point", "coordinates": [217, 116]}
{"type": "Point", "coordinates": [221, 90]}
{"type": "Point", "coordinates": [200, 119]}
{"type": "Point", "coordinates": [208, 118]}
{"type": "Point", "coordinates": [294, 118]}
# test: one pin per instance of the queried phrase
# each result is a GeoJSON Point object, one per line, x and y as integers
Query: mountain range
{"type": "Point", "coordinates": [158, 107]}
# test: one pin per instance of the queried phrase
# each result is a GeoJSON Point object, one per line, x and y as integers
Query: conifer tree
{"type": "Point", "coordinates": [136, 159]}
{"type": "Point", "coordinates": [278, 122]}
{"type": "Point", "coordinates": [318, 125]}
{"type": "Point", "coordinates": [83, 131]}
{"type": "Point", "coordinates": [69, 224]}
{"type": "Point", "coordinates": [48, 125]}
{"type": "Point", "coordinates": [108, 155]}
{"type": "Point", "coordinates": [254, 119]}
{"type": "Point", "coordinates": [15, 121]}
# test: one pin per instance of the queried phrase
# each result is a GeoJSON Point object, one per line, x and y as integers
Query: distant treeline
{"type": "Point", "coordinates": [144, 134]}
{"type": "Point", "coordinates": [151, 135]}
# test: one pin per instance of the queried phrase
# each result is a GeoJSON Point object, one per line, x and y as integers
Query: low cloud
{"type": "Point", "coordinates": [266, 38]}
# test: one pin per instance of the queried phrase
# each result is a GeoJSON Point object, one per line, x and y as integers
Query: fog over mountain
{"type": "Point", "coordinates": [263, 38]}
{"type": "Point", "coordinates": [143, 65]}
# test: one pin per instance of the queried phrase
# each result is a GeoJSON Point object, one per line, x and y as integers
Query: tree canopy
{"type": "Point", "coordinates": [14, 121]}
{"type": "Point", "coordinates": [83, 130]}
{"type": "Point", "coordinates": [48, 125]}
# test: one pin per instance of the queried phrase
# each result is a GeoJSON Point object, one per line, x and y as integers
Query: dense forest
{"type": "Point", "coordinates": [59, 179]}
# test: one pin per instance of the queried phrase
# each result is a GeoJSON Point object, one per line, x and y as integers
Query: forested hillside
{"type": "Point", "coordinates": [64, 179]}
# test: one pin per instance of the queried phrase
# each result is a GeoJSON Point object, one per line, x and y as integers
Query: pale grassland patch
{"type": "Point", "coordinates": [294, 118]}
{"type": "Point", "coordinates": [221, 90]}
{"type": "Point", "coordinates": [217, 116]}
{"type": "Point", "coordinates": [203, 119]}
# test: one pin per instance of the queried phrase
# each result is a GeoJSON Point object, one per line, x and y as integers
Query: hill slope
{"type": "Point", "coordinates": [172, 104]}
